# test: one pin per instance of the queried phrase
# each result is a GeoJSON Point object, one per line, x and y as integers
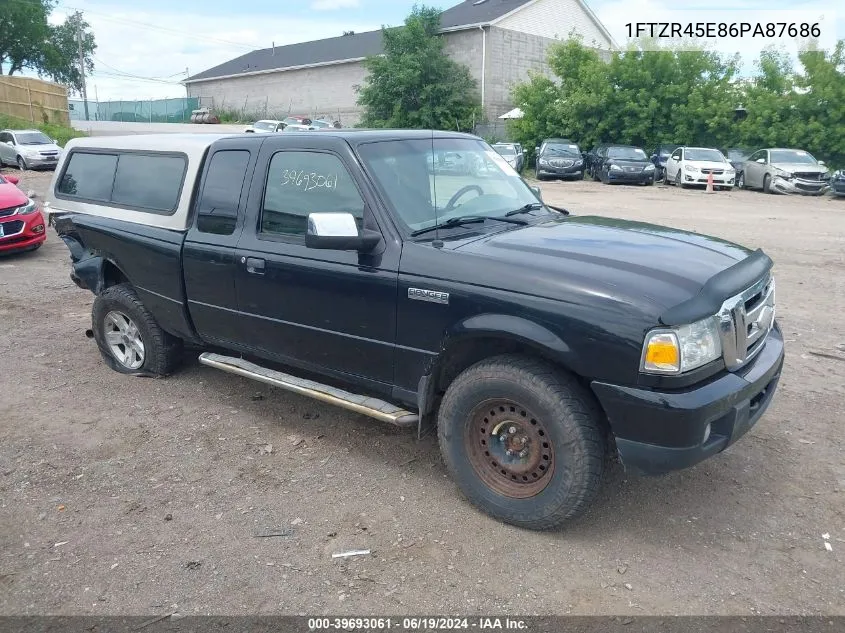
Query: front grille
{"type": "Point", "coordinates": [632, 169]}
{"type": "Point", "coordinates": [812, 176]}
{"type": "Point", "coordinates": [49, 153]}
{"type": "Point", "coordinates": [561, 162]}
{"type": "Point", "coordinates": [8, 211]}
{"type": "Point", "coordinates": [744, 322]}
{"type": "Point", "coordinates": [715, 172]}
{"type": "Point", "coordinates": [11, 228]}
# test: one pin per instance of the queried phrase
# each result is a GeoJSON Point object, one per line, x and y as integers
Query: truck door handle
{"type": "Point", "coordinates": [255, 265]}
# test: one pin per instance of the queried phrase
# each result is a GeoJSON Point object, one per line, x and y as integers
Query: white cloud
{"type": "Point", "coordinates": [333, 5]}
{"type": "Point", "coordinates": [184, 39]}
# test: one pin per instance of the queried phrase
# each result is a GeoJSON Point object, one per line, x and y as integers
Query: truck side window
{"type": "Point", "coordinates": [89, 175]}
{"type": "Point", "coordinates": [221, 192]}
{"type": "Point", "coordinates": [134, 174]}
{"type": "Point", "coordinates": [301, 182]}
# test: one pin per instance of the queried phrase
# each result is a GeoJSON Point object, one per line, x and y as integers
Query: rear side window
{"type": "Point", "coordinates": [147, 182]}
{"type": "Point", "coordinates": [221, 192]}
{"type": "Point", "coordinates": [89, 176]}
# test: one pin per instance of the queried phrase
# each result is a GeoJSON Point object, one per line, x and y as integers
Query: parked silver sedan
{"type": "Point", "coordinates": [779, 170]}
{"type": "Point", "coordinates": [28, 149]}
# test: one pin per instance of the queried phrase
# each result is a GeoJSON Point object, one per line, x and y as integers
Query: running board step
{"type": "Point", "coordinates": [372, 407]}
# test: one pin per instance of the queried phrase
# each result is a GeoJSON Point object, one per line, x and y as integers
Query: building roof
{"type": "Point", "coordinates": [334, 50]}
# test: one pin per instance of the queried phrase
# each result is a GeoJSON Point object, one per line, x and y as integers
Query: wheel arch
{"type": "Point", "coordinates": [485, 336]}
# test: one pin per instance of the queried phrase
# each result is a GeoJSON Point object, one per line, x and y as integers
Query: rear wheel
{"type": "Point", "coordinates": [130, 340]}
{"type": "Point", "coordinates": [523, 441]}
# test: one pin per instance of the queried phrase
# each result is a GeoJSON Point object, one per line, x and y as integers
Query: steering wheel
{"type": "Point", "coordinates": [460, 192]}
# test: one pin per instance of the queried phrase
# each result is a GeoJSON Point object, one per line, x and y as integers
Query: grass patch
{"type": "Point", "coordinates": [59, 132]}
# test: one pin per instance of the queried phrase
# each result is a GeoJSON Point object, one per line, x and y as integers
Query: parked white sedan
{"type": "Point", "coordinates": [693, 165]}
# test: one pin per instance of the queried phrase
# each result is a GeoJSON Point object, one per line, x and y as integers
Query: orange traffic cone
{"type": "Point", "coordinates": [709, 183]}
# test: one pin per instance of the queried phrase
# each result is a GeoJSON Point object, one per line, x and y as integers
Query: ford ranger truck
{"type": "Point", "coordinates": [359, 268]}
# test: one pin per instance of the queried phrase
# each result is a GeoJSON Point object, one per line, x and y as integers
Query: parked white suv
{"type": "Point", "coordinates": [28, 149]}
{"type": "Point", "coordinates": [693, 165]}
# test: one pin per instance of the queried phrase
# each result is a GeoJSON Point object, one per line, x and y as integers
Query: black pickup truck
{"type": "Point", "coordinates": [347, 266]}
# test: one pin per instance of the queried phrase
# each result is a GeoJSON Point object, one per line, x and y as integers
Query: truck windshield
{"type": "Point", "coordinates": [428, 182]}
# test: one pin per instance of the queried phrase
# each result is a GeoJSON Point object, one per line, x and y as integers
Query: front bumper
{"type": "Point", "coordinates": [799, 186]}
{"type": "Point", "coordinates": [573, 171]}
{"type": "Point", "coordinates": [660, 431]}
{"type": "Point", "coordinates": [719, 180]}
{"type": "Point", "coordinates": [630, 176]}
{"type": "Point", "coordinates": [22, 232]}
{"type": "Point", "coordinates": [837, 187]}
{"type": "Point", "coordinates": [34, 162]}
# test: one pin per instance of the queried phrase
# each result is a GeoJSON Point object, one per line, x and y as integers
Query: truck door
{"type": "Point", "coordinates": [329, 310]}
{"type": "Point", "coordinates": [208, 256]}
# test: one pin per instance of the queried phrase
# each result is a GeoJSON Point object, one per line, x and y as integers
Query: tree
{"type": "Point", "coordinates": [61, 56]}
{"type": "Point", "coordinates": [29, 42]}
{"type": "Point", "coordinates": [23, 33]}
{"type": "Point", "coordinates": [414, 84]}
{"type": "Point", "coordinates": [638, 97]}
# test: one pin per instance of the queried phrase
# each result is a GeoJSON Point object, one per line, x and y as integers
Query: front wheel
{"type": "Point", "coordinates": [22, 163]}
{"type": "Point", "coordinates": [523, 441]}
{"type": "Point", "coordinates": [767, 182]}
{"type": "Point", "coordinates": [740, 181]}
{"type": "Point", "coordinates": [129, 338]}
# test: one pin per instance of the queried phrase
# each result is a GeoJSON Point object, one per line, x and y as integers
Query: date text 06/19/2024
{"type": "Point", "coordinates": [416, 624]}
{"type": "Point", "coordinates": [769, 30]}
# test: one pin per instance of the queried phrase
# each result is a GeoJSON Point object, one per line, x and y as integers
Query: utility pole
{"type": "Point", "coordinates": [82, 68]}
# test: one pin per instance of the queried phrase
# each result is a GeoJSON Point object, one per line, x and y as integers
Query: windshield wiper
{"type": "Point", "coordinates": [534, 206]}
{"type": "Point", "coordinates": [464, 219]}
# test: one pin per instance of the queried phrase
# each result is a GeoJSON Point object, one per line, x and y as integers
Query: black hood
{"type": "Point", "coordinates": [635, 266]}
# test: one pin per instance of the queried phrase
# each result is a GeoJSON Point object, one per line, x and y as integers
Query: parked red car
{"type": "Point", "coordinates": [22, 227]}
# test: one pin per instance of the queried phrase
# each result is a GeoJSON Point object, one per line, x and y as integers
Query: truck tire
{"type": "Point", "coordinates": [128, 336]}
{"type": "Point", "coordinates": [507, 426]}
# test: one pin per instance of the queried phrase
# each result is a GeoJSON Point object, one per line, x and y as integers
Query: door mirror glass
{"type": "Point", "coordinates": [821, 162]}
{"type": "Point", "coordinates": [762, 161]}
{"type": "Point", "coordinates": [338, 231]}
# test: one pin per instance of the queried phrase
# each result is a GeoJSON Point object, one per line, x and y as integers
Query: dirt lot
{"type": "Point", "coordinates": [127, 495]}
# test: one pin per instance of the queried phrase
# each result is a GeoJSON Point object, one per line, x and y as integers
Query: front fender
{"type": "Point", "coordinates": [510, 327]}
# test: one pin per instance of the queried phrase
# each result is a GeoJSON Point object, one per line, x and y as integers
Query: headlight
{"type": "Point", "coordinates": [681, 349]}
{"type": "Point", "coordinates": [579, 162]}
{"type": "Point", "coordinates": [786, 175]}
{"type": "Point", "coordinates": [615, 168]}
{"type": "Point", "coordinates": [544, 161]}
{"type": "Point", "coordinates": [649, 167]}
{"type": "Point", "coordinates": [690, 168]}
{"type": "Point", "coordinates": [29, 207]}
{"type": "Point", "coordinates": [730, 171]}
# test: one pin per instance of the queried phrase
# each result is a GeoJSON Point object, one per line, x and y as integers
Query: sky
{"type": "Point", "coordinates": [144, 49]}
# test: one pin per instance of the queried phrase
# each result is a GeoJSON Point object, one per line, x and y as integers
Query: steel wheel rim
{"type": "Point", "coordinates": [509, 448]}
{"type": "Point", "coordinates": [124, 340]}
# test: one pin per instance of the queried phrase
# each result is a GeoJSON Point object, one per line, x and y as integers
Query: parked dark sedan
{"type": "Point", "coordinates": [837, 183]}
{"type": "Point", "coordinates": [626, 164]}
{"type": "Point", "coordinates": [736, 157]}
{"type": "Point", "coordinates": [660, 156]}
{"type": "Point", "coordinates": [559, 158]}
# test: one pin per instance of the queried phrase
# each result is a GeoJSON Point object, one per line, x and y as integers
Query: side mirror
{"type": "Point", "coordinates": [537, 150]}
{"type": "Point", "coordinates": [12, 179]}
{"type": "Point", "coordinates": [821, 162]}
{"type": "Point", "coordinates": [338, 231]}
{"type": "Point", "coordinates": [762, 161]}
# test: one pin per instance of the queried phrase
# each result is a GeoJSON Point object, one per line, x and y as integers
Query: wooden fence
{"type": "Point", "coordinates": [34, 100]}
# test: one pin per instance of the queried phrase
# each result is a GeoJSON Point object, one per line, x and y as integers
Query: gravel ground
{"type": "Point", "coordinates": [124, 495]}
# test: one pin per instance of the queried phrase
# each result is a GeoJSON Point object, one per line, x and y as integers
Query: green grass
{"type": "Point", "coordinates": [59, 132]}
